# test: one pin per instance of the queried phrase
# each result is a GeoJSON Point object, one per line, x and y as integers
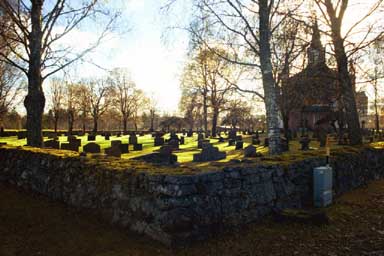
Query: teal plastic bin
{"type": "Point", "coordinates": [322, 186]}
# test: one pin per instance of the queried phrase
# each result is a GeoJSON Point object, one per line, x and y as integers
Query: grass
{"type": "Point", "coordinates": [185, 154]}
{"type": "Point", "coordinates": [33, 225]}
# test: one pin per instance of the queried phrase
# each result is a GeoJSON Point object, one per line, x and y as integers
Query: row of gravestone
{"type": "Point", "coordinates": [116, 149]}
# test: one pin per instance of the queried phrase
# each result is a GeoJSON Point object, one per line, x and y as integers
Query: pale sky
{"type": "Point", "coordinates": [152, 52]}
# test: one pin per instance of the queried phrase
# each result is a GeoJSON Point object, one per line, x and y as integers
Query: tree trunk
{"type": "Point", "coordinates": [56, 122]}
{"type": "Point", "coordinates": [271, 102]}
{"type": "Point", "coordinates": [95, 121]}
{"type": "Point", "coordinates": [35, 101]}
{"type": "Point", "coordinates": [125, 124]}
{"type": "Point", "coordinates": [215, 116]}
{"type": "Point", "coordinates": [377, 118]}
{"type": "Point", "coordinates": [352, 117]}
{"type": "Point", "coordinates": [70, 122]}
{"type": "Point", "coordinates": [205, 113]}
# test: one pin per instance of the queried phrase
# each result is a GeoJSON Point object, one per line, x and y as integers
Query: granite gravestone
{"type": "Point", "coordinates": [159, 140]}
{"type": "Point", "coordinates": [304, 141]}
{"type": "Point", "coordinates": [70, 146]}
{"type": "Point", "coordinates": [124, 148]}
{"type": "Point", "coordinates": [92, 148]}
{"type": "Point", "coordinates": [137, 147]}
{"type": "Point", "coordinates": [133, 139]}
{"type": "Point", "coordinates": [250, 151]}
{"type": "Point", "coordinates": [91, 137]}
{"type": "Point", "coordinates": [239, 144]}
{"type": "Point", "coordinates": [201, 142]}
{"type": "Point", "coordinates": [209, 153]}
{"type": "Point", "coordinates": [52, 144]}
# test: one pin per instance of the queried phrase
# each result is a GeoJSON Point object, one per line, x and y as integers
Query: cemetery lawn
{"type": "Point", "coordinates": [32, 225]}
{"type": "Point", "coordinates": [185, 154]}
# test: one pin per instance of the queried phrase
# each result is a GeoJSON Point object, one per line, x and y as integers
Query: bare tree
{"type": "Point", "coordinates": [10, 88]}
{"type": "Point", "coordinates": [99, 99]}
{"type": "Point", "coordinates": [72, 103]}
{"type": "Point", "coordinates": [246, 28]}
{"type": "Point", "coordinates": [194, 82]}
{"type": "Point", "coordinates": [126, 94]}
{"type": "Point", "coordinates": [38, 27]}
{"type": "Point", "coordinates": [374, 73]}
{"type": "Point", "coordinates": [333, 13]}
{"type": "Point", "coordinates": [57, 98]}
{"type": "Point", "coordinates": [83, 94]}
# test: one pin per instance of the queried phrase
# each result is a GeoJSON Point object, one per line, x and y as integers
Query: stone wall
{"type": "Point", "coordinates": [178, 208]}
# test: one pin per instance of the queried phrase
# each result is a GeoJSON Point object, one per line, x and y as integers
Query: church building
{"type": "Point", "coordinates": [314, 94]}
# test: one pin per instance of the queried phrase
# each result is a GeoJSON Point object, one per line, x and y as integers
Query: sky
{"type": "Point", "coordinates": [153, 52]}
{"type": "Point", "coordinates": [145, 45]}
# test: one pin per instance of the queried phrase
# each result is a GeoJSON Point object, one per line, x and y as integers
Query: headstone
{"type": "Point", "coordinates": [250, 151]}
{"type": "Point", "coordinates": [91, 137]}
{"type": "Point", "coordinates": [200, 136]}
{"type": "Point", "coordinates": [137, 147]}
{"type": "Point", "coordinates": [174, 143]}
{"type": "Point", "coordinates": [113, 151]}
{"type": "Point", "coordinates": [304, 141]}
{"type": "Point", "coordinates": [21, 135]}
{"type": "Point", "coordinates": [201, 142]}
{"type": "Point", "coordinates": [115, 143]}
{"type": "Point", "coordinates": [92, 148]}
{"type": "Point", "coordinates": [70, 146]}
{"type": "Point", "coordinates": [133, 139]}
{"type": "Point", "coordinates": [232, 134]}
{"type": "Point", "coordinates": [182, 140]}
{"type": "Point", "coordinates": [52, 144]}
{"type": "Point", "coordinates": [209, 153]}
{"type": "Point", "coordinates": [173, 136]}
{"type": "Point", "coordinates": [231, 142]}
{"type": "Point", "coordinates": [71, 138]}
{"type": "Point", "coordinates": [124, 148]}
{"type": "Point", "coordinates": [52, 136]}
{"type": "Point", "coordinates": [107, 136]}
{"type": "Point", "coordinates": [74, 141]}
{"type": "Point", "coordinates": [255, 140]}
{"type": "Point", "coordinates": [159, 141]}
{"type": "Point", "coordinates": [190, 133]}
{"type": "Point", "coordinates": [166, 150]}
{"type": "Point", "coordinates": [239, 145]}
{"type": "Point", "coordinates": [163, 157]}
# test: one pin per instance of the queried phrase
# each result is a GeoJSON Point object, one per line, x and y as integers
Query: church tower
{"type": "Point", "coordinates": [316, 51]}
